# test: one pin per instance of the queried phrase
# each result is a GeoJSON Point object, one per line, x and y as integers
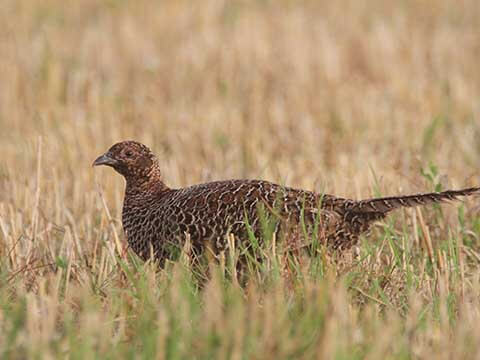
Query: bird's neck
{"type": "Point", "coordinates": [141, 188]}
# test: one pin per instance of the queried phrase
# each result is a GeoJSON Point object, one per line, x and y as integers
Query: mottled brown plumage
{"type": "Point", "coordinates": [156, 218]}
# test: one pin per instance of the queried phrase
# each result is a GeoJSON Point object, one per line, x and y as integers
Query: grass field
{"type": "Point", "coordinates": [353, 98]}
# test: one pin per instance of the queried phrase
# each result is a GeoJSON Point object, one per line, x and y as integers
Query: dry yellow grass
{"type": "Point", "coordinates": [351, 98]}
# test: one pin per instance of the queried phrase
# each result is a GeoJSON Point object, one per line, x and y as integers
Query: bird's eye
{"type": "Point", "coordinates": [128, 153]}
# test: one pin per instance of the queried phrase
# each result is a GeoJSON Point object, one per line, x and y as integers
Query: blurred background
{"type": "Point", "coordinates": [353, 98]}
{"type": "Point", "coordinates": [337, 96]}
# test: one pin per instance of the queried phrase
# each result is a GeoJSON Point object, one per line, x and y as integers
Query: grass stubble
{"type": "Point", "coordinates": [356, 99]}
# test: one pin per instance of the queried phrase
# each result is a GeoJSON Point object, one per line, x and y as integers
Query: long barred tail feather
{"type": "Point", "coordinates": [387, 204]}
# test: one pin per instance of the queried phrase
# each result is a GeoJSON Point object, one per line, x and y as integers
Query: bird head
{"type": "Point", "coordinates": [132, 159]}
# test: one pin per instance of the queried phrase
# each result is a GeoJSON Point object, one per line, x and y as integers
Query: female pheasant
{"type": "Point", "coordinates": [157, 219]}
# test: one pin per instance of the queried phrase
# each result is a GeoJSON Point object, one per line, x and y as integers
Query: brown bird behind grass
{"type": "Point", "coordinates": [157, 218]}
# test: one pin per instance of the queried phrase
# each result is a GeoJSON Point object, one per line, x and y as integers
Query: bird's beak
{"type": "Point", "coordinates": [105, 159]}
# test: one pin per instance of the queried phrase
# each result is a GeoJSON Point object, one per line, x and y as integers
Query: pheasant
{"type": "Point", "coordinates": [157, 218]}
